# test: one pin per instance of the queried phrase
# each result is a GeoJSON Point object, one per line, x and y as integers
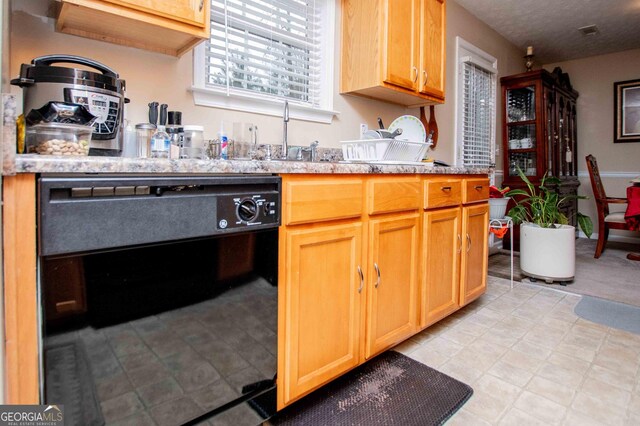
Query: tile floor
{"type": "Point", "coordinates": [166, 369]}
{"type": "Point", "coordinates": [532, 361]}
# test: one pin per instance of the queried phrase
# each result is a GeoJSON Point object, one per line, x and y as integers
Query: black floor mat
{"type": "Point", "coordinates": [391, 389]}
{"type": "Point", "coordinates": [69, 382]}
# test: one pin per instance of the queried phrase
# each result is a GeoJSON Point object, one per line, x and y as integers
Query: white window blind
{"type": "Point", "coordinates": [478, 116]}
{"type": "Point", "coordinates": [266, 47]}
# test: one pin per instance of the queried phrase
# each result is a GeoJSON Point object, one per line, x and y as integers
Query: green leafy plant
{"type": "Point", "coordinates": [542, 206]}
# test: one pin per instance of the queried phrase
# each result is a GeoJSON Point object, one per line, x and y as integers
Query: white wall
{"type": "Point", "coordinates": [593, 77]}
{"type": "Point", "coordinates": [151, 76]}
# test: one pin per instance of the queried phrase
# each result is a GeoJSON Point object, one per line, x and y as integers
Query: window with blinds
{"type": "Point", "coordinates": [268, 48]}
{"type": "Point", "coordinates": [478, 115]}
{"type": "Point", "coordinates": [476, 106]}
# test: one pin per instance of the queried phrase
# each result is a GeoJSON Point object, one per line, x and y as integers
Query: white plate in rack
{"type": "Point", "coordinates": [412, 129]}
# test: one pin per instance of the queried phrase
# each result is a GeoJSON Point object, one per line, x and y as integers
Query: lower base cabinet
{"type": "Point", "coordinates": [363, 266]}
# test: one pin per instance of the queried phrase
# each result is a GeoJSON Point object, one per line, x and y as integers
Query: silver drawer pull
{"type": "Point", "coordinates": [478, 187]}
{"type": "Point", "coordinates": [459, 243]}
{"type": "Point", "coordinates": [361, 279]}
{"type": "Point", "coordinates": [446, 188]}
{"type": "Point", "coordinates": [468, 243]}
{"type": "Point", "coordinates": [375, 265]}
{"type": "Point", "coordinates": [201, 6]}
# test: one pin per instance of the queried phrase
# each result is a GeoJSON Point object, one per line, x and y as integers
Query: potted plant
{"type": "Point", "coordinates": [547, 242]}
{"type": "Point", "coordinates": [497, 202]}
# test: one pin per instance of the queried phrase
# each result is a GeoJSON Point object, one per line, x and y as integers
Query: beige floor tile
{"type": "Point", "coordinates": [571, 363]}
{"type": "Point", "coordinates": [576, 351]}
{"type": "Point", "coordinates": [510, 373]}
{"type": "Point", "coordinates": [618, 358]}
{"type": "Point", "coordinates": [557, 323]}
{"type": "Point", "coordinates": [576, 418]}
{"type": "Point", "coordinates": [588, 331]}
{"type": "Point", "coordinates": [485, 349]}
{"type": "Point", "coordinates": [470, 357]}
{"type": "Point", "coordinates": [532, 349]}
{"type": "Point", "coordinates": [428, 357]}
{"type": "Point", "coordinates": [497, 388]}
{"type": "Point", "coordinates": [462, 371]}
{"type": "Point", "coordinates": [622, 381]}
{"type": "Point", "coordinates": [522, 360]}
{"type": "Point", "coordinates": [624, 338]}
{"type": "Point", "coordinates": [606, 392]}
{"type": "Point", "coordinates": [582, 342]}
{"type": "Point", "coordinates": [490, 314]}
{"type": "Point", "coordinates": [487, 407]}
{"type": "Point", "coordinates": [560, 375]}
{"type": "Point", "coordinates": [465, 418]}
{"type": "Point", "coordinates": [634, 404]}
{"type": "Point", "coordinates": [407, 347]}
{"type": "Point", "coordinates": [561, 394]}
{"type": "Point", "coordinates": [425, 335]}
{"type": "Point", "coordinates": [591, 324]}
{"type": "Point", "coordinates": [597, 409]}
{"type": "Point", "coordinates": [518, 417]}
{"type": "Point", "coordinates": [458, 336]}
{"type": "Point", "coordinates": [633, 419]}
{"type": "Point", "coordinates": [471, 327]}
{"type": "Point", "coordinates": [562, 314]}
{"type": "Point", "coordinates": [504, 305]}
{"type": "Point", "coordinates": [544, 336]}
{"type": "Point", "coordinates": [443, 346]}
{"type": "Point", "coordinates": [541, 408]}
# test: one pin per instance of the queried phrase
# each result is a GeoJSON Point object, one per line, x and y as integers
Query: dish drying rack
{"type": "Point", "coordinates": [382, 150]}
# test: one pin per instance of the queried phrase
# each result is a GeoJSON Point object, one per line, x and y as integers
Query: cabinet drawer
{"type": "Point", "coordinates": [475, 190]}
{"type": "Point", "coordinates": [317, 200]}
{"type": "Point", "coordinates": [442, 192]}
{"type": "Point", "coordinates": [393, 195]}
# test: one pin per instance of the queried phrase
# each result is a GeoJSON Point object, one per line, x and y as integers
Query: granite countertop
{"type": "Point", "coordinates": [33, 163]}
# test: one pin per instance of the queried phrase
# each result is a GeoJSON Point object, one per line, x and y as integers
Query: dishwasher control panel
{"type": "Point", "coordinates": [246, 210]}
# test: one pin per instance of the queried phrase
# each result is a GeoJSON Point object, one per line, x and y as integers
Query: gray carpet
{"type": "Point", "coordinates": [612, 276]}
{"type": "Point", "coordinates": [391, 389]}
{"type": "Point", "coordinates": [612, 314]}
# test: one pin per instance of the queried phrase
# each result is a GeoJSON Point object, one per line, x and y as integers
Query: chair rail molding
{"type": "Point", "coordinates": [618, 175]}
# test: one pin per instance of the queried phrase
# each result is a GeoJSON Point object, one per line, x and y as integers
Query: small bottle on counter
{"type": "Point", "coordinates": [224, 142]}
{"type": "Point", "coordinates": [176, 133]}
{"type": "Point", "coordinates": [160, 143]}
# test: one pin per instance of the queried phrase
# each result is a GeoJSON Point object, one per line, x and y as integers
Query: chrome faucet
{"type": "Point", "coordinates": [285, 120]}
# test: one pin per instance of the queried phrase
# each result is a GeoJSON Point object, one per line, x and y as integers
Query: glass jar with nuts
{"type": "Point", "coordinates": [58, 139]}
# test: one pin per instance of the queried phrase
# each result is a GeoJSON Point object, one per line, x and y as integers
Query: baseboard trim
{"type": "Point", "coordinates": [619, 175]}
{"type": "Point", "coordinates": [613, 237]}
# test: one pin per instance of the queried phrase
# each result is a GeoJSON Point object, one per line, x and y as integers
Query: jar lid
{"type": "Point", "coordinates": [193, 128]}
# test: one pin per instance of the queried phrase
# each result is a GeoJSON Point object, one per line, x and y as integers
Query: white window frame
{"type": "Point", "coordinates": [272, 105]}
{"type": "Point", "coordinates": [467, 52]}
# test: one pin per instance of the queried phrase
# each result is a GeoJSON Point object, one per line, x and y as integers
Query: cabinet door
{"type": "Point", "coordinates": [402, 43]}
{"type": "Point", "coordinates": [189, 11]}
{"type": "Point", "coordinates": [392, 280]}
{"type": "Point", "coordinates": [319, 309]}
{"type": "Point", "coordinates": [440, 265]}
{"type": "Point", "coordinates": [432, 51]}
{"type": "Point", "coordinates": [473, 269]}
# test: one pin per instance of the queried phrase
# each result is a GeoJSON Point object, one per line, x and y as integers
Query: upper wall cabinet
{"type": "Point", "coordinates": [394, 50]}
{"type": "Point", "coordinates": [171, 27]}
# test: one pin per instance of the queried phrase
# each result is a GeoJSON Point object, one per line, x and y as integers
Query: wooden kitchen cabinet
{"type": "Point", "coordinates": [440, 264]}
{"type": "Point", "coordinates": [320, 299]}
{"type": "Point", "coordinates": [64, 287]}
{"type": "Point", "coordinates": [394, 50]}
{"type": "Point", "coordinates": [455, 245]}
{"type": "Point", "coordinates": [474, 259]}
{"type": "Point", "coordinates": [164, 26]}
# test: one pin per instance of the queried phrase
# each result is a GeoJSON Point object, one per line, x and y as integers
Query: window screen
{"type": "Point", "coordinates": [269, 47]}
{"type": "Point", "coordinates": [478, 116]}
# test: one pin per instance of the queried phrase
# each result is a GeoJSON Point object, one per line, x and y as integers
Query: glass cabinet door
{"type": "Point", "coordinates": [521, 104]}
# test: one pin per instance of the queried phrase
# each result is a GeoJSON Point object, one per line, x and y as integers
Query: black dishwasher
{"type": "Point", "coordinates": [159, 297]}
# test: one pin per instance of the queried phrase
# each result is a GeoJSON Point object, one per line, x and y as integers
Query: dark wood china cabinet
{"type": "Point", "coordinates": [539, 131]}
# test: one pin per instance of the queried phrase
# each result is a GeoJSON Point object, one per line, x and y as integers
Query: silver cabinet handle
{"type": "Point", "coordinates": [426, 77]}
{"type": "Point", "coordinates": [459, 243]}
{"type": "Point", "coordinates": [478, 187]}
{"type": "Point", "coordinates": [361, 279]}
{"type": "Point", "coordinates": [375, 265]}
{"type": "Point", "coordinates": [416, 77]}
{"type": "Point", "coordinates": [468, 243]}
{"type": "Point", "coordinates": [446, 188]}
{"type": "Point", "coordinates": [201, 6]}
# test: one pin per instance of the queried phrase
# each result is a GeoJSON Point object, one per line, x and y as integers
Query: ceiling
{"type": "Point", "coordinates": [551, 26]}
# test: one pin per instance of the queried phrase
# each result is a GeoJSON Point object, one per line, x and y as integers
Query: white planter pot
{"type": "Point", "coordinates": [498, 207]}
{"type": "Point", "coordinates": [548, 253]}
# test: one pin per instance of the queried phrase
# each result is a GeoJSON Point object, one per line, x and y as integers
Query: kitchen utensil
{"type": "Point", "coordinates": [412, 128]}
{"type": "Point", "coordinates": [380, 124]}
{"type": "Point", "coordinates": [163, 114]}
{"type": "Point", "coordinates": [423, 118]}
{"type": "Point", "coordinates": [433, 126]}
{"type": "Point", "coordinates": [382, 134]}
{"type": "Point", "coordinates": [153, 112]}
{"type": "Point", "coordinates": [100, 90]}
